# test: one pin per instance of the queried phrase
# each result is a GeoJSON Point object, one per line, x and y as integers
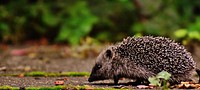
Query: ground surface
{"type": "Point", "coordinates": [40, 81]}
{"type": "Point", "coordinates": [20, 59]}
{"type": "Point", "coordinates": [49, 81]}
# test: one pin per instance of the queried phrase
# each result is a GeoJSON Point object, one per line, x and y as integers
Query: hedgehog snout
{"type": "Point", "coordinates": [90, 79]}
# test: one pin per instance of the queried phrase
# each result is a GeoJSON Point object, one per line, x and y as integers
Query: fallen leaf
{"type": "Point", "coordinates": [18, 52]}
{"type": "Point", "coordinates": [188, 85]}
{"type": "Point", "coordinates": [21, 75]}
{"type": "Point", "coordinates": [59, 83]}
{"type": "Point", "coordinates": [142, 86]}
{"type": "Point", "coordinates": [66, 79]}
{"type": "Point", "coordinates": [3, 68]}
{"type": "Point", "coordinates": [151, 86]}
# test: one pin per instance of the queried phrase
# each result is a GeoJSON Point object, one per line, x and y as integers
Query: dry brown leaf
{"type": "Point", "coordinates": [21, 75]}
{"type": "Point", "coordinates": [18, 52]}
{"type": "Point", "coordinates": [59, 82]}
{"type": "Point", "coordinates": [142, 86]}
{"type": "Point", "coordinates": [188, 85]}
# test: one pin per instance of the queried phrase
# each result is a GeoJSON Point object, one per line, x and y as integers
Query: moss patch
{"type": "Point", "coordinates": [47, 74]}
{"type": "Point", "coordinates": [84, 87]}
{"type": "Point", "coordinates": [8, 88]}
{"type": "Point", "coordinates": [33, 88]}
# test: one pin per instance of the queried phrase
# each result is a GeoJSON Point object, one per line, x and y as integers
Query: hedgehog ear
{"type": "Point", "coordinates": [109, 54]}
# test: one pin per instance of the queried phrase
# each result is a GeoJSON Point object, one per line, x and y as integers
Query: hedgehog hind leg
{"type": "Point", "coordinates": [178, 78]}
{"type": "Point", "coordinates": [198, 72]}
{"type": "Point", "coordinates": [116, 79]}
{"type": "Point", "coordinates": [173, 82]}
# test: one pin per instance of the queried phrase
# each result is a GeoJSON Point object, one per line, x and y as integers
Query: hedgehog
{"type": "Point", "coordinates": [139, 58]}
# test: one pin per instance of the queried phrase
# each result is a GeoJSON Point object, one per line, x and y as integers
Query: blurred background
{"type": "Point", "coordinates": [69, 21]}
{"type": "Point", "coordinates": [80, 28]}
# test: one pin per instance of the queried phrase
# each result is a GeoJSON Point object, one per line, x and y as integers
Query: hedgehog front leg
{"type": "Point", "coordinates": [116, 79]}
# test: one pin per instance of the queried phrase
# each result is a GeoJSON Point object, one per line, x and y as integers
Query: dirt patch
{"type": "Point", "coordinates": [42, 59]}
{"type": "Point", "coordinates": [22, 64]}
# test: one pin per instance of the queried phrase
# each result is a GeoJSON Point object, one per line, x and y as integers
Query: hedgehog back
{"type": "Point", "coordinates": [156, 54]}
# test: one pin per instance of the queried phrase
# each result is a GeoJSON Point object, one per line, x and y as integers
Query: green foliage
{"type": "Point", "coordinates": [164, 75]}
{"type": "Point", "coordinates": [78, 24]}
{"type": "Point", "coordinates": [180, 33]}
{"type": "Point", "coordinates": [191, 32]}
{"type": "Point", "coordinates": [70, 21]}
{"type": "Point", "coordinates": [157, 79]}
{"type": "Point", "coordinates": [154, 81]}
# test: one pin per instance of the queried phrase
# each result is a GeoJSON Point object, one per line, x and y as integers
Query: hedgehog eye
{"type": "Point", "coordinates": [109, 54]}
{"type": "Point", "coordinates": [97, 66]}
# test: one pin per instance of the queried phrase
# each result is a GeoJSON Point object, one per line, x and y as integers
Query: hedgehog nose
{"type": "Point", "coordinates": [89, 79]}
